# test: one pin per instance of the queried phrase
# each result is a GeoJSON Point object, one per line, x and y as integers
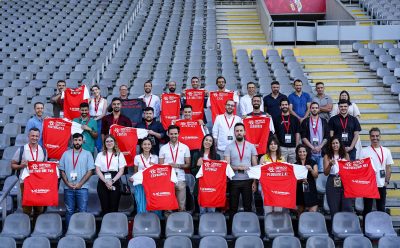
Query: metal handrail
{"type": "Point", "coordinates": [3, 199]}
{"type": "Point", "coordinates": [117, 43]}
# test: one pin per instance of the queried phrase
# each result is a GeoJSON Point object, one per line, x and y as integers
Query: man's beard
{"type": "Point", "coordinates": [77, 146]}
{"type": "Point", "coordinates": [239, 138]}
{"type": "Point", "coordinates": [172, 90]}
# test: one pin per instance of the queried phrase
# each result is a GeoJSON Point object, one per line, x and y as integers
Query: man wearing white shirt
{"type": "Point", "coordinates": [382, 161]}
{"type": "Point", "coordinates": [246, 105]}
{"type": "Point", "coordinates": [221, 82]}
{"type": "Point", "coordinates": [31, 152]}
{"type": "Point", "coordinates": [177, 155]}
{"type": "Point", "coordinates": [151, 100]}
{"type": "Point", "coordinates": [223, 129]}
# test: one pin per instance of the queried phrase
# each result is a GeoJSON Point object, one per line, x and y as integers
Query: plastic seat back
{"type": "Point", "coordinates": [179, 224]}
{"type": "Point", "coordinates": [245, 224]}
{"type": "Point", "coordinates": [147, 224]}
{"type": "Point", "coordinates": [212, 224]}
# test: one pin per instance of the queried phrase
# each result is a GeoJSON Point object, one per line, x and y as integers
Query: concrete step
{"type": "Point", "coordinates": [327, 69]}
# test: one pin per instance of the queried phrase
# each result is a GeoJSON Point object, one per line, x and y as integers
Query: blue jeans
{"type": "Point", "coordinates": [206, 210]}
{"type": "Point", "coordinates": [75, 199]}
{"type": "Point", "coordinates": [318, 158]}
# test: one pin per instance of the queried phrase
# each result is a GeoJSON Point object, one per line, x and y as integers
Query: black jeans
{"type": "Point", "coordinates": [109, 199]}
{"type": "Point", "coordinates": [335, 197]}
{"type": "Point", "coordinates": [380, 203]}
{"type": "Point", "coordinates": [237, 188]}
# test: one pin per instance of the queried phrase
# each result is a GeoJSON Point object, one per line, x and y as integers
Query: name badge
{"type": "Point", "coordinates": [382, 173]}
{"type": "Point", "coordinates": [107, 176]}
{"type": "Point", "coordinates": [306, 187]}
{"type": "Point", "coordinates": [230, 137]}
{"type": "Point", "coordinates": [315, 141]}
{"type": "Point", "coordinates": [337, 182]}
{"type": "Point", "coordinates": [345, 137]}
{"type": "Point", "coordinates": [288, 138]}
{"type": "Point", "coordinates": [73, 175]}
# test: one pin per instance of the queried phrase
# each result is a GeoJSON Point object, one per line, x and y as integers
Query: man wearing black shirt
{"type": "Point", "coordinates": [346, 128]}
{"type": "Point", "coordinates": [287, 129]}
{"type": "Point", "coordinates": [273, 100]}
{"type": "Point", "coordinates": [116, 117]}
{"type": "Point", "coordinates": [156, 130]}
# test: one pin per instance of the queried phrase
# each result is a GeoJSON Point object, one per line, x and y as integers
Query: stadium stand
{"type": "Point", "coordinates": [42, 42]}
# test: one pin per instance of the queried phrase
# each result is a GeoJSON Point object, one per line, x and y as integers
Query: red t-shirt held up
{"type": "Point", "coordinates": [159, 187]}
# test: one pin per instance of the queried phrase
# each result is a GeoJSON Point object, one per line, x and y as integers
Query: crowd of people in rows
{"type": "Point", "coordinates": [305, 130]}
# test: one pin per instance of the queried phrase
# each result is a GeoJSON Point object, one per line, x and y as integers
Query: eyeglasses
{"type": "Point", "coordinates": [230, 105]}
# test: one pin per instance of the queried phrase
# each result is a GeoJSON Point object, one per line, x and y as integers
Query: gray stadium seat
{"type": "Point", "coordinates": [107, 242]}
{"type": "Point", "coordinates": [48, 225]}
{"type": "Point", "coordinates": [16, 226]}
{"type": "Point", "coordinates": [389, 242]}
{"type": "Point", "coordinates": [5, 169]}
{"type": "Point", "coordinates": [356, 46]}
{"type": "Point", "coordinates": [381, 72]}
{"type": "Point", "coordinates": [357, 241]}
{"type": "Point", "coordinates": [397, 72]}
{"type": "Point", "coordinates": [12, 129]}
{"type": "Point", "coordinates": [319, 242]}
{"type": "Point", "coordinates": [362, 52]}
{"type": "Point", "coordinates": [378, 224]}
{"type": "Point", "coordinates": [8, 182]}
{"type": "Point", "coordinates": [312, 224]}
{"type": "Point", "coordinates": [359, 205]}
{"type": "Point", "coordinates": [286, 241]}
{"type": "Point", "coordinates": [114, 224]}
{"type": "Point", "coordinates": [374, 65]}
{"type": "Point", "coordinates": [179, 224]}
{"type": "Point", "coordinates": [249, 241]}
{"type": "Point", "coordinates": [4, 141]}
{"type": "Point", "coordinates": [346, 224]}
{"type": "Point", "coordinates": [10, 92]}
{"type": "Point", "coordinates": [71, 241]}
{"type": "Point", "coordinates": [392, 65]}
{"type": "Point", "coordinates": [36, 242]}
{"type": "Point", "coordinates": [213, 241]}
{"type": "Point", "coordinates": [389, 80]}
{"type": "Point", "coordinates": [147, 224]}
{"type": "Point", "coordinates": [212, 224]}
{"type": "Point", "coordinates": [278, 224]}
{"type": "Point", "coordinates": [7, 242]}
{"type": "Point", "coordinates": [372, 46]}
{"type": "Point", "coordinates": [139, 242]}
{"type": "Point", "coordinates": [82, 225]}
{"type": "Point", "coordinates": [178, 241]}
{"type": "Point", "coordinates": [245, 224]}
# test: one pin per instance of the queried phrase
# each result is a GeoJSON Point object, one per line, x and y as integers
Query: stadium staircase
{"type": "Point", "coordinates": [241, 24]}
{"type": "Point", "coordinates": [357, 12]}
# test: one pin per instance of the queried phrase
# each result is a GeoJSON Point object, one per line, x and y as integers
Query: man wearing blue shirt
{"type": "Point", "coordinates": [299, 101]}
{"type": "Point", "coordinates": [36, 120]}
{"type": "Point", "coordinates": [76, 166]}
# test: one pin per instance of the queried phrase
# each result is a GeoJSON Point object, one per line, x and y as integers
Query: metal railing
{"type": "Point", "coordinates": [320, 23]}
{"type": "Point", "coordinates": [3, 199]}
{"type": "Point", "coordinates": [117, 43]}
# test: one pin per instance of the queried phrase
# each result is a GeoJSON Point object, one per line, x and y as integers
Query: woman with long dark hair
{"type": "Point", "coordinates": [334, 189]}
{"type": "Point", "coordinates": [306, 196]}
{"type": "Point", "coordinates": [110, 165]}
{"type": "Point", "coordinates": [97, 110]}
{"type": "Point", "coordinates": [142, 161]}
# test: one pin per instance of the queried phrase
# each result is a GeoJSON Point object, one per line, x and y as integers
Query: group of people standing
{"type": "Point", "coordinates": [306, 131]}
